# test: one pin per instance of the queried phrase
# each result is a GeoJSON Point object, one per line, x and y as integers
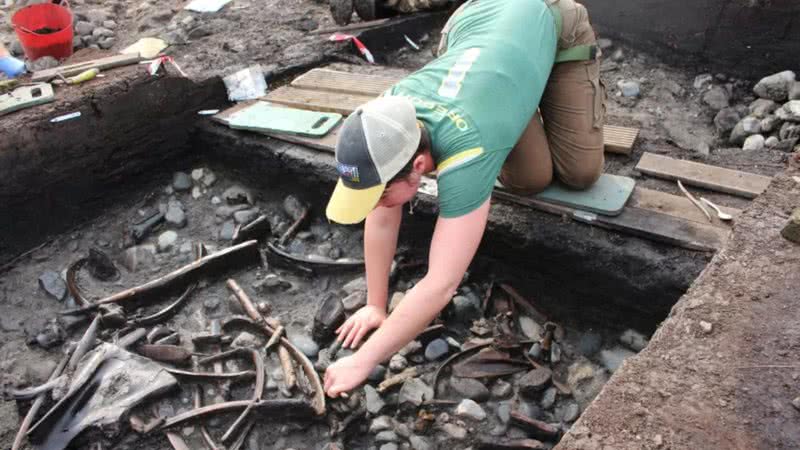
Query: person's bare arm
{"type": "Point", "coordinates": [455, 242]}
{"type": "Point", "coordinates": [380, 244]}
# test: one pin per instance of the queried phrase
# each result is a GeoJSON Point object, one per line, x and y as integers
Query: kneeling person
{"type": "Point", "coordinates": [470, 115]}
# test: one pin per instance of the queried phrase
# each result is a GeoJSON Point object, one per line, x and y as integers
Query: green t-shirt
{"type": "Point", "coordinates": [478, 98]}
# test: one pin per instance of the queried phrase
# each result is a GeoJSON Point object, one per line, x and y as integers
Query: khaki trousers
{"type": "Point", "coordinates": [565, 138]}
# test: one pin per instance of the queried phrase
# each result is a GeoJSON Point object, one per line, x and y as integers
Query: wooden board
{"type": "Point", "coordinates": [316, 100]}
{"type": "Point", "coordinates": [77, 68]}
{"type": "Point", "coordinates": [676, 206]}
{"type": "Point", "coordinates": [744, 184]}
{"type": "Point", "coordinates": [222, 116]}
{"type": "Point", "coordinates": [344, 82]}
{"type": "Point", "coordinates": [638, 222]}
{"type": "Point", "coordinates": [619, 139]}
{"type": "Point", "coordinates": [342, 92]}
{"type": "Point", "coordinates": [645, 218]}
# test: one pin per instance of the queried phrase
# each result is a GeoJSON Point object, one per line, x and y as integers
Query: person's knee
{"type": "Point", "coordinates": [582, 177]}
{"type": "Point", "coordinates": [528, 185]}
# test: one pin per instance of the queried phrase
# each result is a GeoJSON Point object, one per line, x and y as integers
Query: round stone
{"type": "Point", "coordinates": [303, 342]}
{"type": "Point", "coordinates": [469, 388]}
{"type": "Point", "coordinates": [166, 240]}
{"type": "Point", "coordinates": [471, 410]}
{"type": "Point", "coordinates": [534, 381]}
{"type": "Point", "coordinates": [175, 216]}
{"type": "Point", "coordinates": [549, 398]}
{"type": "Point", "coordinates": [398, 363]}
{"type": "Point", "coordinates": [502, 389]}
{"type": "Point", "coordinates": [771, 141]}
{"type": "Point", "coordinates": [754, 143]}
{"type": "Point", "coordinates": [436, 349]}
{"type": "Point", "coordinates": [181, 181]}
{"type": "Point", "coordinates": [571, 412]}
{"type": "Point", "coordinates": [629, 88]}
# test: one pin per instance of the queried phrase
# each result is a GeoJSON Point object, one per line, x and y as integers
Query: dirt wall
{"type": "Point", "coordinates": [720, 34]}
{"type": "Point", "coordinates": [53, 175]}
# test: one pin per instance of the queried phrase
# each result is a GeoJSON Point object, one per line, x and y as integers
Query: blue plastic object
{"type": "Point", "coordinates": [11, 66]}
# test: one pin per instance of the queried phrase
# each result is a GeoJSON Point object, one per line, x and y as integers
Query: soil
{"type": "Point", "coordinates": [46, 30]}
{"type": "Point", "coordinates": [727, 387]}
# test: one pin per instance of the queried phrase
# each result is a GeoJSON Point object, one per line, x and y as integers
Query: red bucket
{"type": "Point", "coordinates": [44, 29]}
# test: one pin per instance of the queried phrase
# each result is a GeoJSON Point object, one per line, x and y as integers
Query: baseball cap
{"type": "Point", "coordinates": [375, 143]}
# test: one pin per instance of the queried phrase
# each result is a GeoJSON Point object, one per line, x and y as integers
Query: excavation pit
{"type": "Point", "coordinates": [75, 194]}
{"type": "Point", "coordinates": [207, 201]}
{"type": "Point", "coordinates": [220, 180]}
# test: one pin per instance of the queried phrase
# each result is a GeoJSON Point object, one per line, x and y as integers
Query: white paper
{"type": "Point", "coordinates": [246, 84]}
{"type": "Point", "coordinates": [206, 5]}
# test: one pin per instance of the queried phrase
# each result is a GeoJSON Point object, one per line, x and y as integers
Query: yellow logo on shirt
{"type": "Point", "coordinates": [440, 110]}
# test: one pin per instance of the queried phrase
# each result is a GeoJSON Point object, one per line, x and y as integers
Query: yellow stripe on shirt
{"type": "Point", "coordinates": [458, 159]}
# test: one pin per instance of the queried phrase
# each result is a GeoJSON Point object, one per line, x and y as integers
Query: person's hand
{"type": "Point", "coordinates": [359, 324]}
{"type": "Point", "coordinates": [11, 66]}
{"type": "Point", "coordinates": [345, 375]}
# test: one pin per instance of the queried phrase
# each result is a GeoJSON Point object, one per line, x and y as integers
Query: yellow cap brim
{"type": "Point", "coordinates": [348, 206]}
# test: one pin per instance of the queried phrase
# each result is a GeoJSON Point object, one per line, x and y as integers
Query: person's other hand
{"type": "Point", "coordinates": [344, 375]}
{"type": "Point", "coordinates": [11, 66]}
{"type": "Point", "coordinates": [359, 324]}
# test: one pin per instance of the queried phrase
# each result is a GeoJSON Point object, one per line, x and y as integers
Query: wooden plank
{"type": "Point", "coordinates": [342, 92]}
{"type": "Point", "coordinates": [325, 144]}
{"type": "Point", "coordinates": [344, 82]}
{"type": "Point", "coordinates": [222, 116]}
{"type": "Point", "coordinates": [619, 139]}
{"type": "Point", "coordinates": [744, 184]}
{"type": "Point", "coordinates": [664, 228]}
{"type": "Point", "coordinates": [317, 100]}
{"type": "Point", "coordinates": [653, 215]}
{"type": "Point", "coordinates": [676, 206]}
{"type": "Point", "coordinates": [638, 222]}
{"type": "Point", "coordinates": [75, 69]}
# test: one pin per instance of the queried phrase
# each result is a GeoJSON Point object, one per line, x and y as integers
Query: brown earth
{"type": "Point", "coordinates": [728, 388]}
